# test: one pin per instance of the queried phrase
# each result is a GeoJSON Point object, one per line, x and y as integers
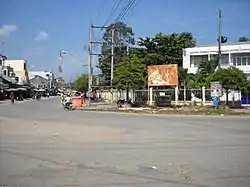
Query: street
{"type": "Point", "coordinates": [43, 145]}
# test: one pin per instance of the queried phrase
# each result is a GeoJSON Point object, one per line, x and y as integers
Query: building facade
{"type": "Point", "coordinates": [20, 70]}
{"type": "Point", "coordinates": [39, 82]}
{"type": "Point", "coordinates": [237, 55]}
{"type": "Point", "coordinates": [49, 76]}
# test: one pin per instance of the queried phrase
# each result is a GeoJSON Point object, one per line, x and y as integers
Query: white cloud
{"type": "Point", "coordinates": [41, 36]}
{"type": "Point", "coordinates": [6, 30]}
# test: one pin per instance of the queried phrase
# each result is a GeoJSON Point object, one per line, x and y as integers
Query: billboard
{"type": "Point", "coordinates": [163, 75]}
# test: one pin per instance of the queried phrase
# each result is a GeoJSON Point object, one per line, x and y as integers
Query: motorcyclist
{"type": "Point", "coordinates": [67, 100]}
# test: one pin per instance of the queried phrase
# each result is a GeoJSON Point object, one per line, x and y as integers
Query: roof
{"type": "Point", "coordinates": [42, 74]}
{"type": "Point", "coordinates": [8, 79]}
{"type": "Point", "coordinates": [223, 44]}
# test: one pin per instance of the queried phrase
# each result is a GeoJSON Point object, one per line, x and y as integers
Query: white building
{"type": "Point", "coordinates": [20, 70]}
{"type": "Point", "coordinates": [237, 54]}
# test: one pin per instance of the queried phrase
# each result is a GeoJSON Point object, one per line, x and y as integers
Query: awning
{"type": "Point", "coordinates": [22, 89]}
{"type": "Point", "coordinates": [11, 89]}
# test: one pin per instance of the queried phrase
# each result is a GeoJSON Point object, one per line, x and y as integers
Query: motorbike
{"type": "Point", "coordinates": [38, 97]}
{"type": "Point", "coordinates": [68, 106]}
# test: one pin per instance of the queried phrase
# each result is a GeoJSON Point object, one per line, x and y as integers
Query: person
{"type": "Point", "coordinates": [12, 98]}
{"type": "Point", "coordinates": [67, 100]}
{"type": "Point", "coordinates": [62, 98]}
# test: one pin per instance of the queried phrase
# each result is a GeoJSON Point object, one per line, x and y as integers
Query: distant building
{"type": "Point", "coordinates": [46, 75]}
{"type": "Point", "coordinates": [237, 55]}
{"type": "Point", "coordinates": [39, 82]}
{"type": "Point", "coordinates": [20, 70]}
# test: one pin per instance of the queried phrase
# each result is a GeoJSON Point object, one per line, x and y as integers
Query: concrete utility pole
{"type": "Point", "coordinates": [91, 42]}
{"type": "Point", "coordinates": [219, 39]}
{"type": "Point", "coordinates": [90, 58]}
{"type": "Point", "coordinates": [112, 57]}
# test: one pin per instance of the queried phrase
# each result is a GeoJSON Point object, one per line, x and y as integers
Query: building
{"type": "Point", "coordinates": [237, 55]}
{"type": "Point", "coordinates": [20, 70]}
{"type": "Point", "coordinates": [49, 76]}
{"type": "Point", "coordinates": [39, 82]}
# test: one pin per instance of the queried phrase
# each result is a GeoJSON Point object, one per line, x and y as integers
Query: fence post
{"type": "Point", "coordinates": [203, 95]}
{"type": "Point", "coordinates": [176, 95]}
{"type": "Point", "coordinates": [150, 96]}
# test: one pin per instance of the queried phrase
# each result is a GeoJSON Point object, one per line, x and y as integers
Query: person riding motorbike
{"type": "Point", "coordinates": [67, 101]}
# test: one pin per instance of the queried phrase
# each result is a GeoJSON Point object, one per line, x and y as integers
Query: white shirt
{"type": "Point", "coordinates": [67, 99]}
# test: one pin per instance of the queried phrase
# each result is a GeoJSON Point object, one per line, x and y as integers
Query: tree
{"type": "Point", "coordinates": [185, 79]}
{"type": "Point", "coordinates": [123, 37]}
{"type": "Point", "coordinates": [131, 74]}
{"type": "Point", "coordinates": [164, 49]}
{"type": "Point", "coordinates": [223, 39]}
{"type": "Point", "coordinates": [81, 83]}
{"type": "Point", "coordinates": [231, 79]}
{"type": "Point", "coordinates": [243, 39]}
{"type": "Point", "coordinates": [207, 67]}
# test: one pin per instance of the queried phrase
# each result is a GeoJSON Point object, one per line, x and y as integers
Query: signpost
{"type": "Point", "coordinates": [215, 89]}
{"type": "Point", "coordinates": [215, 92]}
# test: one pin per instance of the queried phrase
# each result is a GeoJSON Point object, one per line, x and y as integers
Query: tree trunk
{"type": "Point", "coordinates": [227, 92]}
{"type": "Point", "coordinates": [127, 94]}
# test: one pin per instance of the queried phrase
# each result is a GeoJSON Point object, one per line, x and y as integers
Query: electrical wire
{"type": "Point", "coordinates": [125, 10]}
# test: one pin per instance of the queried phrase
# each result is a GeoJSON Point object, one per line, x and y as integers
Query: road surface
{"type": "Point", "coordinates": [42, 145]}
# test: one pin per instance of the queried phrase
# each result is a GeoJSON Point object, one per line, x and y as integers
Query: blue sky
{"type": "Point", "coordinates": [36, 30]}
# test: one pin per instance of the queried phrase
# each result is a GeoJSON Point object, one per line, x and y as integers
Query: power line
{"type": "Point", "coordinates": [116, 5]}
{"type": "Point", "coordinates": [125, 10]}
{"type": "Point", "coordinates": [101, 8]}
{"type": "Point", "coordinates": [131, 12]}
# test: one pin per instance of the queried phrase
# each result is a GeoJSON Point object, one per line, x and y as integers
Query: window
{"type": "Point", "coordinates": [244, 61]}
{"type": "Point", "coordinates": [5, 72]}
{"type": "Point", "coordinates": [24, 66]}
{"type": "Point", "coordinates": [238, 61]}
{"type": "Point", "coordinates": [197, 59]}
{"type": "Point", "coordinates": [234, 61]}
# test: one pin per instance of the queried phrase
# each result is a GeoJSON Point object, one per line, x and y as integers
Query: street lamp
{"type": "Point", "coordinates": [81, 60]}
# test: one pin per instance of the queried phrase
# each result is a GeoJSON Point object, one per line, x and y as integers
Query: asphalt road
{"type": "Point", "coordinates": [42, 145]}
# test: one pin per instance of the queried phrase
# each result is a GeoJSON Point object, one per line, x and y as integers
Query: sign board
{"type": "Point", "coordinates": [163, 75]}
{"type": "Point", "coordinates": [215, 89]}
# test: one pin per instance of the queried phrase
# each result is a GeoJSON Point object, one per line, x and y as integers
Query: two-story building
{"type": "Point", "coordinates": [237, 55]}
{"type": "Point", "coordinates": [20, 70]}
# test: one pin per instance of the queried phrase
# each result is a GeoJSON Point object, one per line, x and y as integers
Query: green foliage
{"type": "Point", "coordinates": [231, 78]}
{"type": "Point", "coordinates": [81, 83]}
{"type": "Point", "coordinates": [130, 74]}
{"type": "Point", "coordinates": [164, 49]}
{"type": "Point", "coordinates": [207, 68]}
{"type": "Point", "coordinates": [185, 79]}
{"type": "Point", "coordinates": [223, 39]}
{"type": "Point", "coordinates": [123, 37]}
{"type": "Point", "coordinates": [243, 39]}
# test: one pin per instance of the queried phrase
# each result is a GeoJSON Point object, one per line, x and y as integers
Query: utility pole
{"type": "Point", "coordinates": [90, 58]}
{"type": "Point", "coordinates": [91, 42]}
{"type": "Point", "coordinates": [112, 62]}
{"type": "Point", "coordinates": [219, 39]}
{"type": "Point", "coordinates": [112, 57]}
